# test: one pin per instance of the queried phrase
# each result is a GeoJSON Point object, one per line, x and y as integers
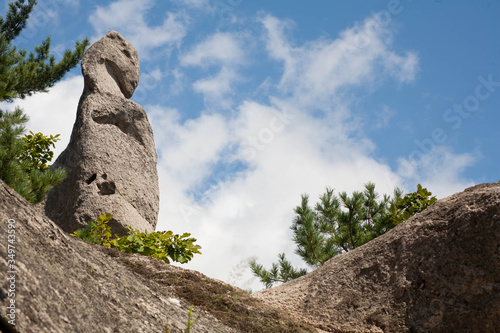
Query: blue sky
{"type": "Point", "coordinates": [254, 103]}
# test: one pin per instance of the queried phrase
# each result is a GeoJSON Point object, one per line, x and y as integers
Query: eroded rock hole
{"type": "Point", "coordinates": [107, 188]}
{"type": "Point", "coordinates": [91, 179]}
{"type": "Point", "coordinates": [126, 53]}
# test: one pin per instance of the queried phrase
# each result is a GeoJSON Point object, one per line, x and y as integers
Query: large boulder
{"type": "Point", "coordinates": [437, 272]}
{"type": "Point", "coordinates": [60, 284]}
{"type": "Point", "coordinates": [111, 157]}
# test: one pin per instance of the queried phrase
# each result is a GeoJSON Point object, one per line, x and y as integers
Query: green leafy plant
{"type": "Point", "coordinates": [160, 244]}
{"type": "Point", "coordinates": [163, 245]}
{"type": "Point", "coordinates": [28, 174]}
{"type": "Point", "coordinates": [98, 232]}
{"type": "Point", "coordinates": [37, 149]}
{"type": "Point", "coordinates": [412, 204]}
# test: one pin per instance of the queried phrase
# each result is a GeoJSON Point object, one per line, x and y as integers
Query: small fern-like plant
{"type": "Point", "coordinates": [189, 324]}
{"type": "Point", "coordinates": [163, 245]}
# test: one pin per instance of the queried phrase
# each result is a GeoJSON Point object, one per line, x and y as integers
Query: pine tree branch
{"type": "Point", "coordinates": [16, 18]}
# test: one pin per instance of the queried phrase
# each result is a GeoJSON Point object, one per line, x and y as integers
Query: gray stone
{"type": "Point", "coordinates": [437, 272]}
{"type": "Point", "coordinates": [111, 157]}
{"type": "Point", "coordinates": [63, 284]}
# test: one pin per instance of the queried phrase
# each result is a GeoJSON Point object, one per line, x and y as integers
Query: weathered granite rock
{"type": "Point", "coordinates": [437, 272]}
{"type": "Point", "coordinates": [111, 157]}
{"type": "Point", "coordinates": [65, 285]}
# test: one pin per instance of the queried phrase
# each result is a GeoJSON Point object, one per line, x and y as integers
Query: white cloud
{"type": "Point", "coordinates": [299, 140]}
{"type": "Point", "coordinates": [436, 168]}
{"type": "Point", "coordinates": [190, 148]}
{"type": "Point", "coordinates": [215, 89]}
{"type": "Point", "coordinates": [250, 215]}
{"type": "Point", "coordinates": [403, 68]}
{"type": "Point", "coordinates": [128, 18]}
{"type": "Point", "coordinates": [53, 112]}
{"type": "Point", "coordinates": [178, 85]}
{"type": "Point", "coordinates": [148, 82]}
{"type": "Point", "coordinates": [383, 116]}
{"type": "Point", "coordinates": [218, 49]}
{"type": "Point", "coordinates": [193, 3]}
{"type": "Point", "coordinates": [44, 15]}
{"type": "Point", "coordinates": [288, 151]}
{"type": "Point", "coordinates": [225, 51]}
{"type": "Point", "coordinates": [317, 70]}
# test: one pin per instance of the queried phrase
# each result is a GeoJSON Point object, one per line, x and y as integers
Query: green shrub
{"type": "Point", "coordinates": [98, 232]}
{"type": "Point", "coordinates": [24, 160]}
{"type": "Point", "coordinates": [37, 149]}
{"type": "Point", "coordinates": [412, 203]}
{"type": "Point", "coordinates": [163, 245]}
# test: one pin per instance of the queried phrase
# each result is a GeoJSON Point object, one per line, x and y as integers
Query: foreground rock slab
{"type": "Point", "coordinates": [63, 284]}
{"type": "Point", "coordinates": [111, 157]}
{"type": "Point", "coordinates": [437, 272]}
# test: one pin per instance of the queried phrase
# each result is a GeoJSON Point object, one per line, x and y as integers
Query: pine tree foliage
{"type": "Point", "coordinates": [12, 170]}
{"type": "Point", "coordinates": [14, 21]}
{"type": "Point", "coordinates": [341, 223]}
{"type": "Point", "coordinates": [282, 271]}
{"type": "Point", "coordinates": [312, 227]}
{"type": "Point", "coordinates": [24, 160]}
{"type": "Point", "coordinates": [22, 74]}
{"type": "Point", "coordinates": [28, 175]}
{"type": "Point", "coordinates": [385, 221]}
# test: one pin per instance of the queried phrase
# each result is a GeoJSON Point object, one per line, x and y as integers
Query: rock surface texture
{"type": "Point", "coordinates": [65, 285]}
{"type": "Point", "coordinates": [111, 157]}
{"type": "Point", "coordinates": [437, 272]}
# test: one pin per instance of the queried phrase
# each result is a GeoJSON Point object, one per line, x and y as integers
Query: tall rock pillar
{"type": "Point", "coordinates": [111, 157]}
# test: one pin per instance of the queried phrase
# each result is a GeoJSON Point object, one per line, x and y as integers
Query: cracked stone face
{"type": "Point", "coordinates": [111, 157]}
{"type": "Point", "coordinates": [111, 65]}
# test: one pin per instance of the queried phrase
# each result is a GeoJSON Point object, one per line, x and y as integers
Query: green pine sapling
{"type": "Point", "coordinates": [341, 223]}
